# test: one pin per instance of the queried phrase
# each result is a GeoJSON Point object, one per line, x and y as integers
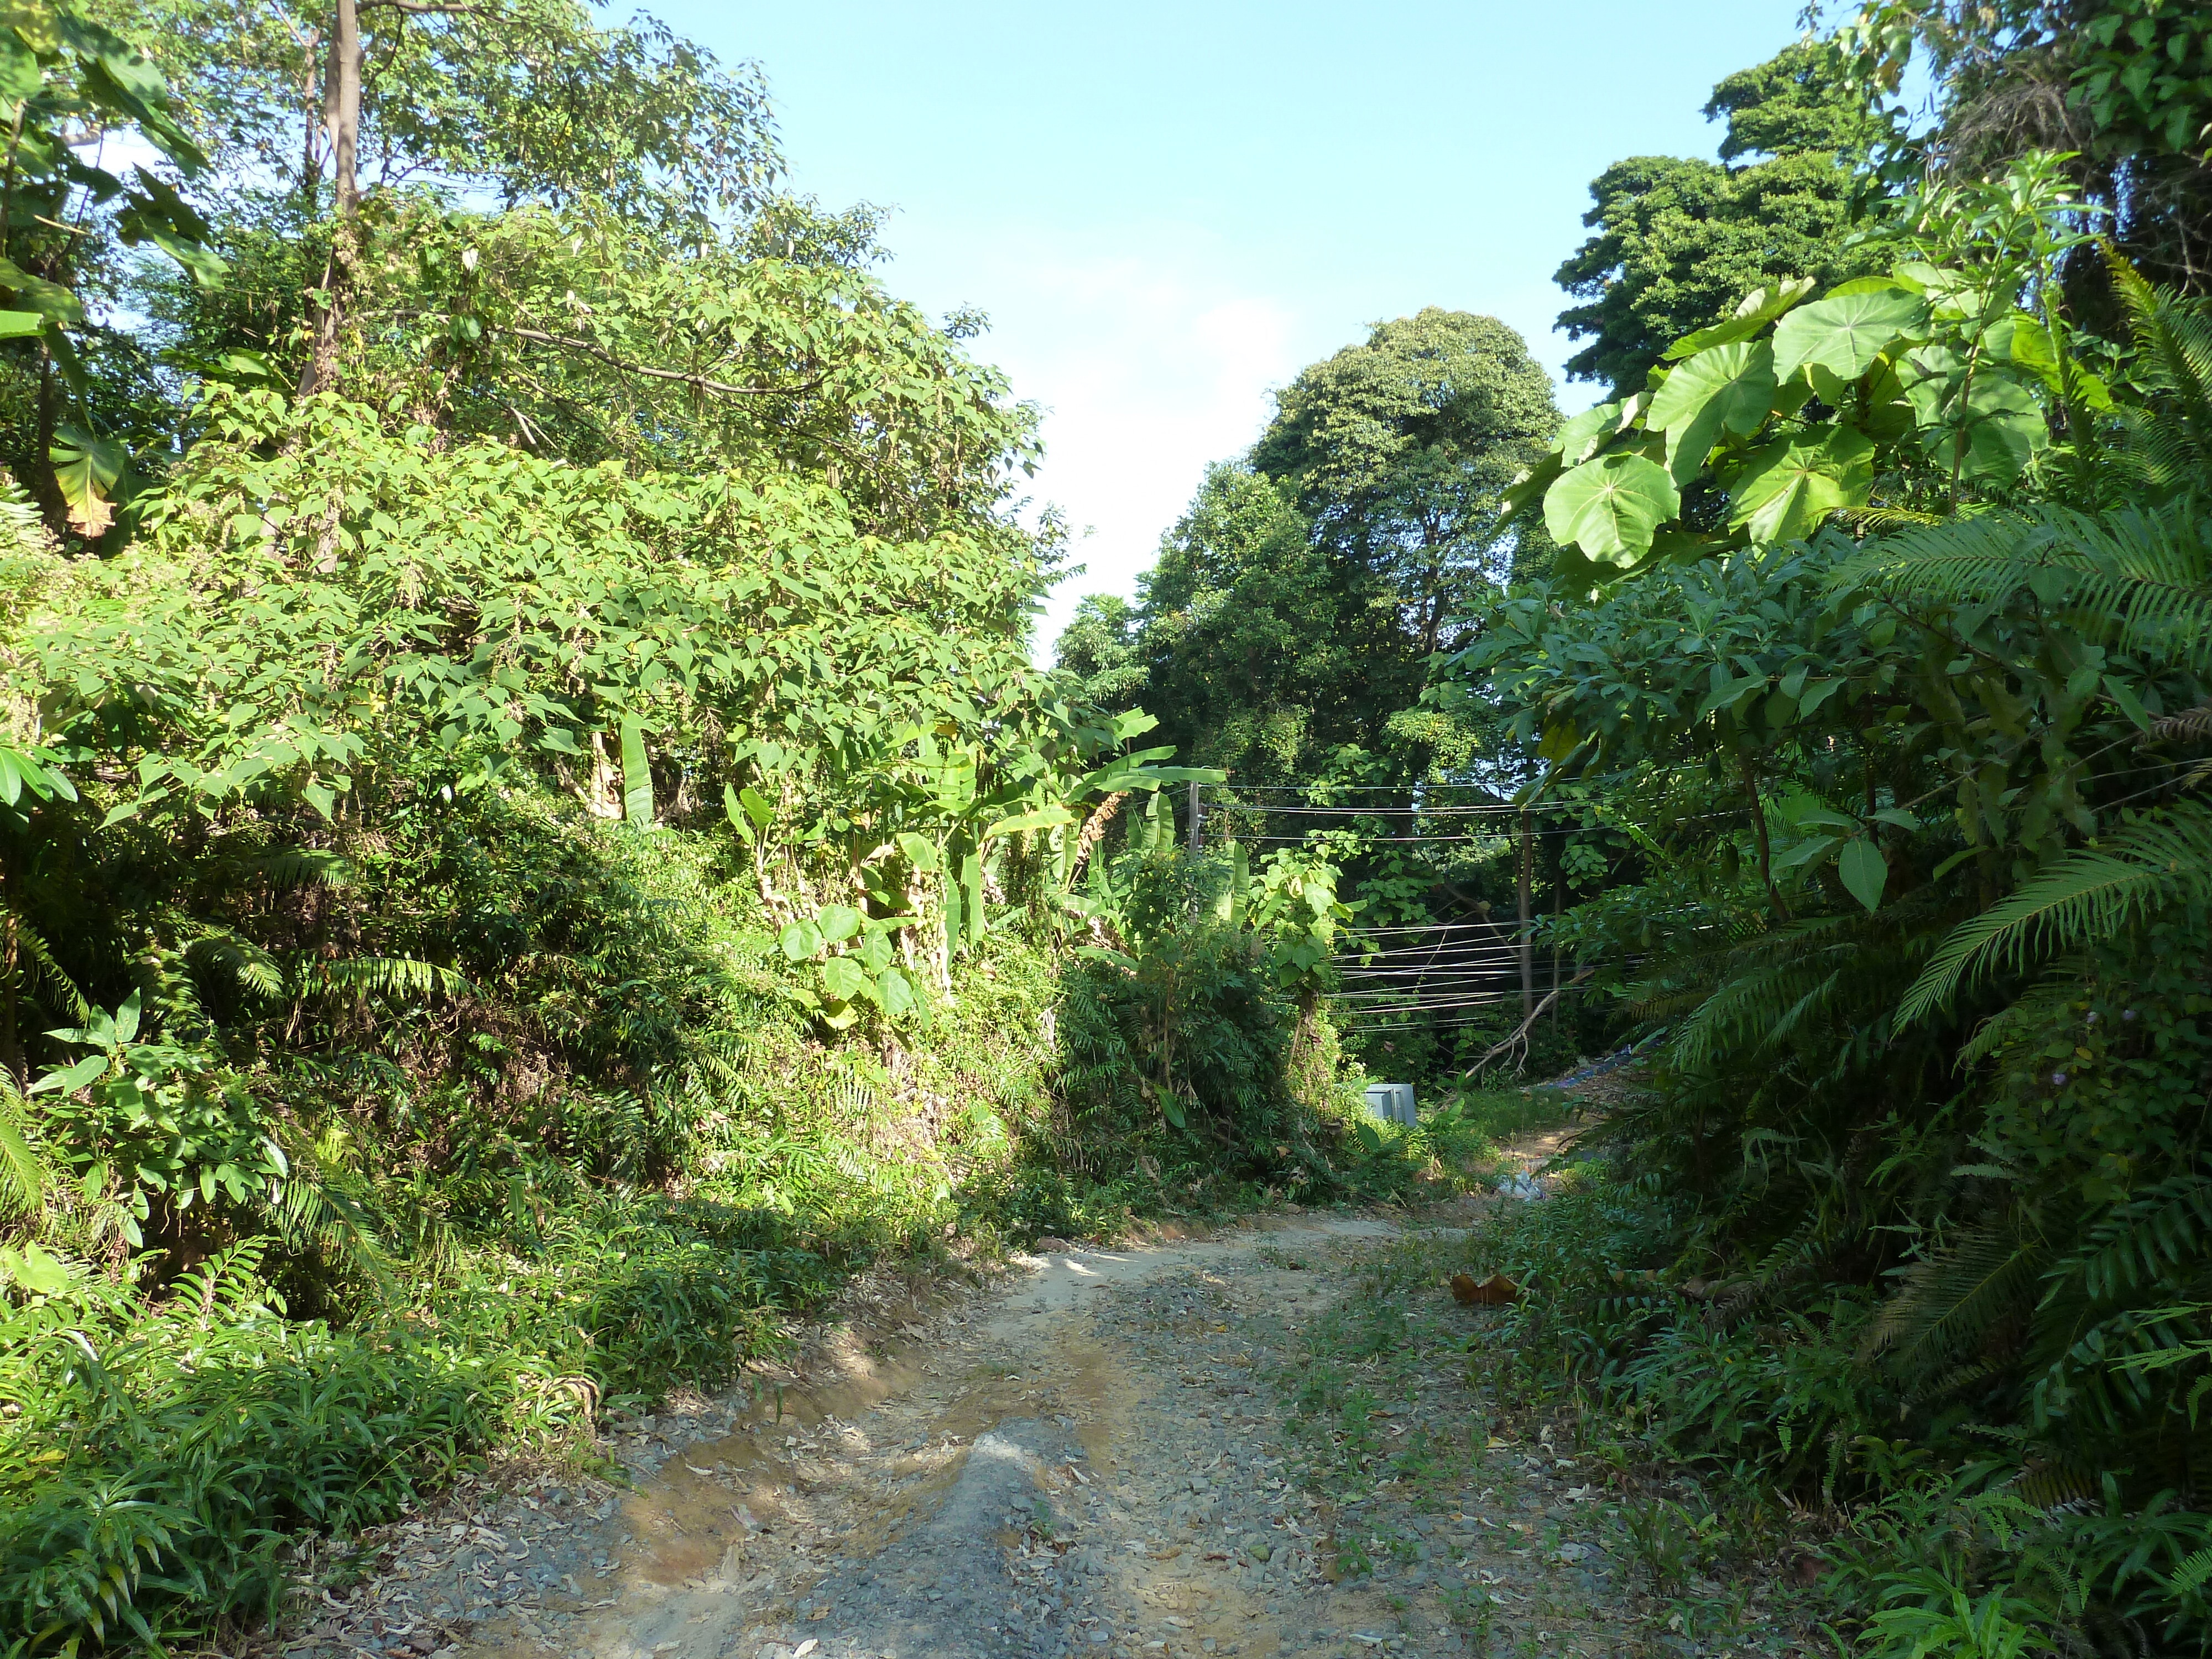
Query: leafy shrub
{"type": "Point", "coordinates": [1956, 1538]}
{"type": "Point", "coordinates": [151, 1462]}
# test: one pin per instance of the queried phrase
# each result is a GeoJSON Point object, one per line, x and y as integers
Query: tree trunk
{"type": "Point", "coordinates": [1759, 837]}
{"type": "Point", "coordinates": [39, 472]}
{"type": "Point", "coordinates": [342, 126]}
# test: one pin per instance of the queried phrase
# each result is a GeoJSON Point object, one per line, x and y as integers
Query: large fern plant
{"type": "Point", "coordinates": [2133, 581]}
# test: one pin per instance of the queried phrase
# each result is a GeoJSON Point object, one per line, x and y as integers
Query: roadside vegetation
{"type": "Point", "coordinates": [1832, 698]}
{"type": "Point", "coordinates": [532, 842]}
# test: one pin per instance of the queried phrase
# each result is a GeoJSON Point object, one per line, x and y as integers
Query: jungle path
{"type": "Point", "coordinates": [1088, 1458]}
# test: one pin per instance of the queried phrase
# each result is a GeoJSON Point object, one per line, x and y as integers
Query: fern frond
{"type": "Point", "coordinates": [23, 530]}
{"type": "Point", "coordinates": [31, 949]}
{"type": "Point", "coordinates": [300, 866]}
{"type": "Point", "coordinates": [22, 1172]}
{"type": "Point", "coordinates": [1949, 1302]}
{"type": "Point", "coordinates": [1879, 521]}
{"type": "Point", "coordinates": [2192, 1575]}
{"type": "Point", "coordinates": [248, 965]}
{"type": "Point", "coordinates": [2089, 894]}
{"type": "Point", "coordinates": [2174, 360]}
{"type": "Point", "coordinates": [2141, 1241]}
{"type": "Point", "coordinates": [377, 976]}
{"type": "Point", "coordinates": [324, 1204]}
{"type": "Point", "coordinates": [2190, 726]}
{"type": "Point", "coordinates": [2057, 1482]}
{"type": "Point", "coordinates": [2138, 580]}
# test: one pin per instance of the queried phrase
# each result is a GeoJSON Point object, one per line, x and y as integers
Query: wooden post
{"type": "Point", "coordinates": [1558, 914]}
{"type": "Point", "coordinates": [1528, 940]}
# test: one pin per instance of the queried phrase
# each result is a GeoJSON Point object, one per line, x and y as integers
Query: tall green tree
{"type": "Point", "coordinates": [318, 119]}
{"type": "Point", "coordinates": [1294, 606]}
{"type": "Point", "coordinates": [1681, 240]}
{"type": "Point", "coordinates": [1400, 450]}
{"type": "Point", "coordinates": [1245, 635]}
{"type": "Point", "coordinates": [1099, 646]}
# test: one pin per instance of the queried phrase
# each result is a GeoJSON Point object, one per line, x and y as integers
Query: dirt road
{"type": "Point", "coordinates": [1091, 1459]}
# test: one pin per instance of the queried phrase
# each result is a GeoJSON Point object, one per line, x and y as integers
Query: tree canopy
{"type": "Point", "coordinates": [1294, 606]}
{"type": "Point", "coordinates": [1681, 240]}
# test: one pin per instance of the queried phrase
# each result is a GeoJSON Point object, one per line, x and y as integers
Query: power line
{"type": "Point", "coordinates": [1410, 928]}
{"type": "Point", "coordinates": [1374, 811]}
{"type": "Point", "coordinates": [1458, 966]}
{"type": "Point", "coordinates": [1441, 1025]}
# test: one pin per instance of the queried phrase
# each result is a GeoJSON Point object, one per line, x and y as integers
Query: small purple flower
{"type": "Point", "coordinates": [2091, 1020]}
{"type": "Point", "coordinates": [2127, 1014]}
{"type": "Point", "coordinates": [2058, 1079]}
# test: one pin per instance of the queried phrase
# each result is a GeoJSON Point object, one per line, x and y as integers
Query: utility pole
{"type": "Point", "coordinates": [1528, 941]}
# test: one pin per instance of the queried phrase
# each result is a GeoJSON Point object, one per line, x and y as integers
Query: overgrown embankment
{"type": "Point", "coordinates": [601, 1148]}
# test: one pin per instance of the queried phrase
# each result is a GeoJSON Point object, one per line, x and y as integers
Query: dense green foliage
{"type": "Point", "coordinates": [1859, 723]}
{"type": "Point", "coordinates": [2120, 89]}
{"type": "Point", "coordinates": [530, 840]}
{"type": "Point", "coordinates": [1680, 239]}
{"type": "Point", "coordinates": [1293, 609]}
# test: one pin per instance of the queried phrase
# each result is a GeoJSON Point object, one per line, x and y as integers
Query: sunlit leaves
{"type": "Point", "coordinates": [1789, 486]}
{"type": "Point", "coordinates": [1611, 507]}
{"type": "Point", "coordinates": [87, 470]}
{"type": "Point", "coordinates": [1974, 414]}
{"type": "Point", "coordinates": [637, 776]}
{"type": "Point", "coordinates": [1846, 333]}
{"type": "Point", "coordinates": [1727, 388]}
{"type": "Point", "coordinates": [1752, 313]}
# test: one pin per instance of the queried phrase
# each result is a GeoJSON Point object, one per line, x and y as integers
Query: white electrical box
{"type": "Point", "coordinates": [1391, 1102]}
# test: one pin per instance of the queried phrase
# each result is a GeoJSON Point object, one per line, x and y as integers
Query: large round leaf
{"type": "Point", "coordinates": [1752, 313]}
{"type": "Point", "coordinates": [1998, 420]}
{"type": "Point", "coordinates": [1729, 388]}
{"type": "Point", "coordinates": [846, 979]}
{"type": "Point", "coordinates": [1846, 333]}
{"type": "Point", "coordinates": [1609, 508]}
{"type": "Point", "coordinates": [1790, 485]}
{"type": "Point", "coordinates": [1583, 433]}
{"type": "Point", "coordinates": [894, 992]}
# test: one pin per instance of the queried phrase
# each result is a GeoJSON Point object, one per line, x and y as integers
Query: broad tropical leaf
{"type": "Point", "coordinates": [637, 775]}
{"type": "Point", "coordinates": [1791, 484]}
{"type": "Point", "coordinates": [1727, 388]}
{"type": "Point", "coordinates": [1610, 508]}
{"type": "Point", "coordinates": [1846, 333]}
{"type": "Point", "coordinates": [1754, 312]}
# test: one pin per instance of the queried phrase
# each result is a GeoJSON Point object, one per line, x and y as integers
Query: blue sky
{"type": "Point", "coordinates": [1168, 209]}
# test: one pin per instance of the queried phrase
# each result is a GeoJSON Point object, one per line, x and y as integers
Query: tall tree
{"type": "Point", "coordinates": [1248, 634]}
{"type": "Point", "coordinates": [1100, 646]}
{"type": "Point", "coordinates": [530, 101]}
{"type": "Point", "coordinates": [1294, 606]}
{"type": "Point", "coordinates": [1398, 451]}
{"type": "Point", "coordinates": [1681, 240]}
